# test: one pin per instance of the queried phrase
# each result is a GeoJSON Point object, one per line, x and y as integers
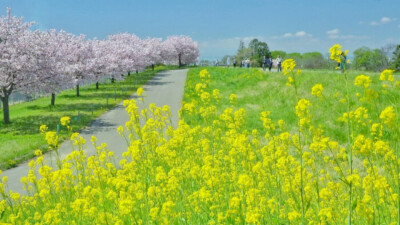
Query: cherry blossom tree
{"type": "Point", "coordinates": [135, 57]}
{"type": "Point", "coordinates": [16, 60]}
{"type": "Point", "coordinates": [49, 51]}
{"type": "Point", "coordinates": [100, 60]}
{"type": "Point", "coordinates": [180, 48]}
{"type": "Point", "coordinates": [79, 60]}
{"type": "Point", "coordinates": [152, 51]}
{"type": "Point", "coordinates": [126, 53]}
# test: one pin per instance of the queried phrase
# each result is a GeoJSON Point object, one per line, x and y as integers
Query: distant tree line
{"type": "Point", "coordinates": [364, 58]}
{"type": "Point", "coordinates": [396, 59]}
{"type": "Point", "coordinates": [308, 60]}
{"type": "Point", "coordinates": [377, 59]}
{"type": "Point", "coordinates": [255, 51]}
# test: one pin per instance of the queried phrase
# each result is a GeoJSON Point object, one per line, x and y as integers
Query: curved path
{"type": "Point", "coordinates": [166, 88]}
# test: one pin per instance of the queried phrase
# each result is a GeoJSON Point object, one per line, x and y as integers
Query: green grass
{"type": "Point", "coordinates": [259, 91]}
{"type": "Point", "coordinates": [21, 137]}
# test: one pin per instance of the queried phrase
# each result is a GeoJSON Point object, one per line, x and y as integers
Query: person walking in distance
{"type": "Point", "coordinates": [343, 62]}
{"type": "Point", "coordinates": [264, 62]}
{"type": "Point", "coordinates": [270, 63]}
{"type": "Point", "coordinates": [248, 63]}
{"type": "Point", "coordinates": [279, 63]}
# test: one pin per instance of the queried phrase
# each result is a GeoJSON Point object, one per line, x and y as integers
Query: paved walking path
{"type": "Point", "coordinates": [166, 88]}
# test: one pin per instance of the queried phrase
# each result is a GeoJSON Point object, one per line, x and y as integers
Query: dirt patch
{"type": "Point", "coordinates": [253, 106]}
{"type": "Point", "coordinates": [249, 93]}
{"type": "Point", "coordinates": [263, 84]}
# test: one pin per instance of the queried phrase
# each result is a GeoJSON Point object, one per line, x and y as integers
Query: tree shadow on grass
{"type": "Point", "coordinates": [91, 96]}
{"type": "Point", "coordinates": [72, 107]}
{"type": "Point", "coordinates": [31, 124]}
{"type": "Point", "coordinates": [116, 91]}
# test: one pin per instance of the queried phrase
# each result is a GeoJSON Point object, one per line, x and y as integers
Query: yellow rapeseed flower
{"type": "Point", "coordinates": [204, 74]}
{"type": "Point", "coordinates": [293, 215]}
{"type": "Point", "coordinates": [38, 152]}
{"type": "Point", "coordinates": [52, 139]}
{"type": "Point", "coordinates": [362, 81]}
{"type": "Point", "coordinates": [43, 129]}
{"type": "Point", "coordinates": [140, 91]}
{"type": "Point", "coordinates": [388, 116]}
{"type": "Point", "coordinates": [288, 66]}
{"type": "Point", "coordinates": [387, 75]}
{"type": "Point", "coordinates": [65, 121]}
{"type": "Point", "coordinates": [335, 51]}
{"type": "Point", "coordinates": [317, 90]}
{"type": "Point", "coordinates": [233, 99]}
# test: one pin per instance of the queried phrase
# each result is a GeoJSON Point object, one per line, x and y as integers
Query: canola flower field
{"type": "Point", "coordinates": [251, 148]}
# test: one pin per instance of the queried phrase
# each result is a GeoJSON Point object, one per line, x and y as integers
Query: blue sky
{"type": "Point", "coordinates": [219, 25]}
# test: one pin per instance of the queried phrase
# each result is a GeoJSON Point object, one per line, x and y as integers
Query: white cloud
{"type": "Point", "coordinates": [333, 32]}
{"type": "Point", "coordinates": [298, 34]}
{"type": "Point", "coordinates": [301, 34]}
{"type": "Point", "coordinates": [373, 23]}
{"type": "Point", "coordinates": [385, 20]}
{"type": "Point", "coordinates": [286, 35]}
{"type": "Point", "coordinates": [382, 21]}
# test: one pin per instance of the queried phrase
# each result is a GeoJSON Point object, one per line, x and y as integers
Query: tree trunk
{"type": "Point", "coordinates": [53, 98]}
{"type": "Point", "coordinates": [6, 109]}
{"type": "Point", "coordinates": [112, 80]}
{"type": "Point", "coordinates": [180, 61]}
{"type": "Point", "coordinates": [77, 90]}
{"type": "Point", "coordinates": [137, 72]}
{"type": "Point", "coordinates": [97, 85]}
{"type": "Point", "coordinates": [152, 66]}
{"type": "Point", "coordinates": [129, 73]}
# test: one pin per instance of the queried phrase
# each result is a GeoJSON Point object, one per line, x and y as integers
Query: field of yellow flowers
{"type": "Point", "coordinates": [309, 155]}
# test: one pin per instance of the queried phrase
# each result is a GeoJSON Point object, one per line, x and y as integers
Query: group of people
{"type": "Point", "coordinates": [266, 62]}
{"type": "Point", "coordinates": [245, 63]}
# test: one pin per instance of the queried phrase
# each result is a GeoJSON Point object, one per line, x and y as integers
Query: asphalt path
{"type": "Point", "coordinates": [166, 88]}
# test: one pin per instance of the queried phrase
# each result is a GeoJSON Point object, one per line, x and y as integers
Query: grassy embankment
{"type": "Point", "coordinates": [259, 91]}
{"type": "Point", "coordinates": [19, 139]}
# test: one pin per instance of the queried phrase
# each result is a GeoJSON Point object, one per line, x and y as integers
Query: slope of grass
{"type": "Point", "coordinates": [21, 137]}
{"type": "Point", "coordinates": [259, 91]}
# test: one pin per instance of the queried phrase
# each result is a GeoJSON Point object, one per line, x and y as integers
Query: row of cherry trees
{"type": "Point", "coordinates": [50, 61]}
